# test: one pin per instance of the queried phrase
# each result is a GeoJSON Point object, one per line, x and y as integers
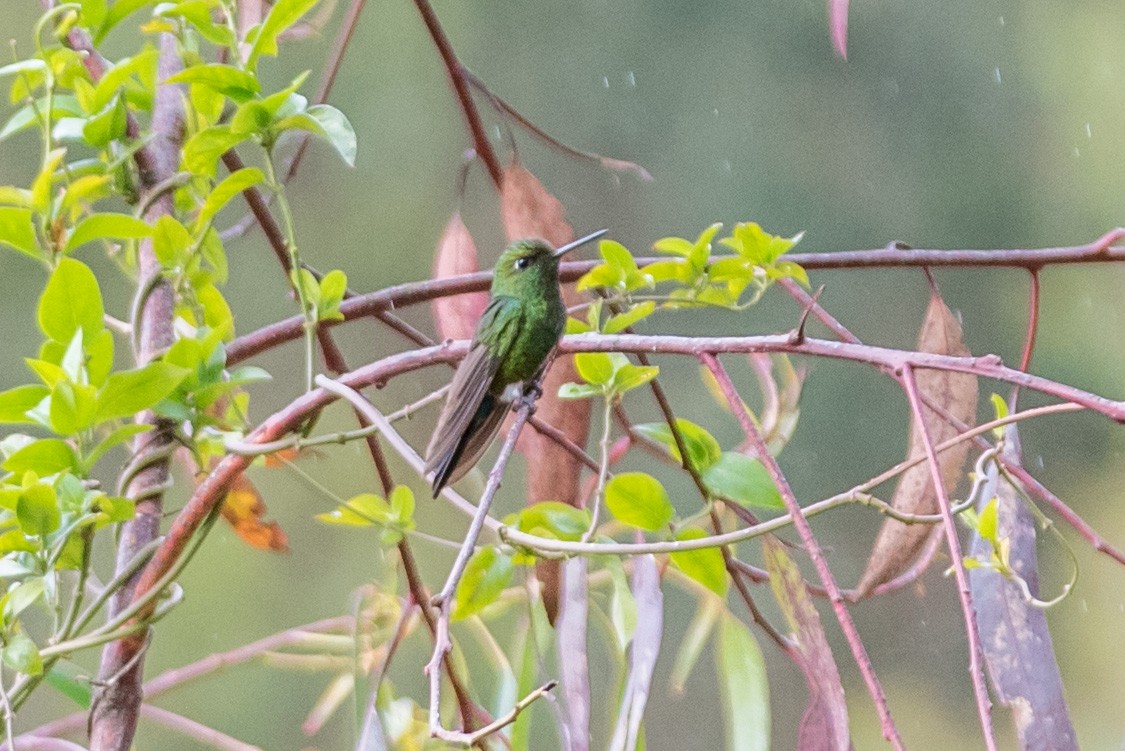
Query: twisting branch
{"type": "Point", "coordinates": [976, 671]}
{"type": "Point", "coordinates": [847, 625]}
{"type": "Point", "coordinates": [116, 708]}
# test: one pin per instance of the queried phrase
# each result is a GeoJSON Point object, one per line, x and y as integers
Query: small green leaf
{"type": "Point", "coordinates": [118, 12]}
{"type": "Point", "coordinates": [743, 480]}
{"type": "Point", "coordinates": [115, 438]}
{"type": "Point", "coordinates": [17, 231]}
{"type": "Point", "coordinates": [33, 65]}
{"type": "Point", "coordinates": [21, 654]}
{"type": "Point", "coordinates": [107, 125]}
{"type": "Point", "coordinates": [202, 151]}
{"type": "Point", "coordinates": [361, 510]}
{"type": "Point", "coordinates": [282, 15]}
{"type": "Point", "coordinates": [171, 242]}
{"type": "Point", "coordinates": [579, 391]}
{"type": "Point", "coordinates": [72, 407]}
{"type": "Point", "coordinates": [71, 301]}
{"type": "Point", "coordinates": [631, 376]}
{"type": "Point", "coordinates": [634, 315]}
{"type": "Point", "coordinates": [1000, 407]}
{"type": "Point", "coordinates": [20, 597]}
{"type": "Point", "coordinates": [744, 687]}
{"type": "Point", "coordinates": [329, 123]}
{"type": "Point", "coordinates": [221, 194]}
{"type": "Point", "coordinates": [705, 565]}
{"type": "Point", "coordinates": [72, 681]}
{"type": "Point", "coordinates": [639, 500]}
{"type": "Point", "coordinates": [553, 519]}
{"type": "Point", "coordinates": [100, 226]}
{"type": "Point", "coordinates": [486, 575]}
{"type": "Point", "coordinates": [38, 510]}
{"type": "Point", "coordinates": [333, 287]}
{"type": "Point", "coordinates": [703, 449]}
{"type": "Point", "coordinates": [131, 391]}
{"type": "Point", "coordinates": [595, 367]}
{"type": "Point", "coordinates": [225, 79]}
{"type": "Point", "coordinates": [988, 523]}
{"type": "Point", "coordinates": [16, 402]}
{"type": "Point", "coordinates": [45, 456]}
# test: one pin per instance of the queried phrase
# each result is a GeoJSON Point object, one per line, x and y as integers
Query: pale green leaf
{"type": "Point", "coordinates": [704, 565]}
{"type": "Point", "coordinates": [131, 391]}
{"type": "Point", "coordinates": [221, 194]}
{"type": "Point", "coordinates": [17, 231]}
{"type": "Point", "coordinates": [743, 480]}
{"type": "Point", "coordinates": [744, 687]}
{"type": "Point", "coordinates": [100, 226]}
{"type": "Point", "coordinates": [639, 500]}
{"type": "Point", "coordinates": [486, 575]}
{"type": "Point", "coordinates": [71, 301]}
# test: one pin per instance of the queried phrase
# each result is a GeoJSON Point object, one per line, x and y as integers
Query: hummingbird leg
{"type": "Point", "coordinates": [531, 393]}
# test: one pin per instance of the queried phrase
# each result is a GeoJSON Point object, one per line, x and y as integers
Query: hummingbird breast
{"type": "Point", "coordinates": [535, 332]}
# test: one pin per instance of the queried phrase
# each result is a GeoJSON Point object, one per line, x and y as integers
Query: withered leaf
{"type": "Point", "coordinates": [1015, 639]}
{"type": "Point", "coordinates": [456, 254]}
{"type": "Point", "coordinates": [824, 725]}
{"type": "Point", "coordinates": [898, 544]}
{"type": "Point", "coordinates": [529, 210]}
{"type": "Point", "coordinates": [245, 510]}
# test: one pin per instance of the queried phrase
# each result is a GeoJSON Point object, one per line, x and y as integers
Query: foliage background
{"type": "Point", "coordinates": [961, 125]}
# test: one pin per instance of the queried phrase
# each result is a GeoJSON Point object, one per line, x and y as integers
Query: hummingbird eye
{"type": "Point", "coordinates": [523, 263]}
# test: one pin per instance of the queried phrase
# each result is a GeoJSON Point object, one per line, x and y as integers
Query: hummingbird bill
{"type": "Point", "coordinates": [516, 333]}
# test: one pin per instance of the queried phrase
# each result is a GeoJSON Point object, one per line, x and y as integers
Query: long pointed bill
{"type": "Point", "coordinates": [580, 241]}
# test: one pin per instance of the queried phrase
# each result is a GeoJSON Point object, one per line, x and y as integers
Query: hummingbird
{"type": "Point", "coordinates": [519, 327]}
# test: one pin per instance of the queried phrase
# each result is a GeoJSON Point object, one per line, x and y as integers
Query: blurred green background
{"type": "Point", "coordinates": [988, 124]}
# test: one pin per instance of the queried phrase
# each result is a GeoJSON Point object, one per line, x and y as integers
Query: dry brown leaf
{"type": "Point", "coordinates": [244, 509]}
{"type": "Point", "coordinates": [456, 254]}
{"type": "Point", "coordinates": [528, 210]}
{"type": "Point", "coordinates": [898, 544]}
{"type": "Point", "coordinates": [824, 724]}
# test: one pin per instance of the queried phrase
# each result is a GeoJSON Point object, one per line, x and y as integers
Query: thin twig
{"type": "Point", "coordinates": [847, 625]}
{"type": "Point", "coordinates": [976, 671]}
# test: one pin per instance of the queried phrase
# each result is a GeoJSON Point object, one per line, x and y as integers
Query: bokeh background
{"type": "Point", "coordinates": [983, 124]}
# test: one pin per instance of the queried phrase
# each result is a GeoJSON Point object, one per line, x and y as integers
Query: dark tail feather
{"type": "Point", "coordinates": [473, 442]}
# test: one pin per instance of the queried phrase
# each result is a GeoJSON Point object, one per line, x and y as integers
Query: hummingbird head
{"type": "Point", "coordinates": [532, 263]}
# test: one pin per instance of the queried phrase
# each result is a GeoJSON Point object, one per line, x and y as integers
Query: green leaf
{"type": "Point", "coordinates": [15, 403]}
{"type": "Point", "coordinates": [28, 116]}
{"type": "Point", "coordinates": [486, 575]}
{"type": "Point", "coordinates": [21, 654]}
{"type": "Point", "coordinates": [131, 391]}
{"type": "Point", "coordinates": [100, 226]}
{"type": "Point", "coordinates": [744, 687]}
{"type": "Point", "coordinates": [45, 456]}
{"type": "Point", "coordinates": [333, 287]}
{"type": "Point", "coordinates": [1000, 407]}
{"type": "Point", "coordinates": [634, 315]}
{"type": "Point", "coordinates": [202, 151]}
{"type": "Point", "coordinates": [579, 391]}
{"type": "Point", "coordinates": [20, 597]}
{"type": "Point", "coordinates": [171, 242]}
{"type": "Point", "coordinates": [72, 681]}
{"type": "Point", "coordinates": [72, 407]}
{"type": "Point", "coordinates": [327, 122]}
{"type": "Point", "coordinates": [402, 506]}
{"type": "Point", "coordinates": [692, 643]}
{"type": "Point", "coordinates": [743, 480]}
{"type": "Point", "coordinates": [988, 523]}
{"type": "Point", "coordinates": [595, 367]}
{"type": "Point", "coordinates": [221, 194]}
{"type": "Point", "coordinates": [225, 79]}
{"type": "Point", "coordinates": [553, 519]}
{"type": "Point", "coordinates": [118, 12]}
{"type": "Point", "coordinates": [71, 301]}
{"type": "Point", "coordinates": [107, 125]}
{"type": "Point", "coordinates": [705, 565]}
{"type": "Point", "coordinates": [703, 450]}
{"type": "Point", "coordinates": [639, 500]}
{"type": "Point", "coordinates": [115, 438]}
{"type": "Point", "coordinates": [631, 376]}
{"type": "Point", "coordinates": [282, 15]}
{"type": "Point", "coordinates": [17, 231]}
{"type": "Point", "coordinates": [361, 510]}
{"type": "Point", "coordinates": [38, 510]}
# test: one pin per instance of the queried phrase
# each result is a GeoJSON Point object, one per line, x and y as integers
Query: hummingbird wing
{"type": "Point", "coordinates": [472, 413]}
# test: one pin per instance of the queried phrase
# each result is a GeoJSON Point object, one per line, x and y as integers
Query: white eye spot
{"type": "Point", "coordinates": [522, 263]}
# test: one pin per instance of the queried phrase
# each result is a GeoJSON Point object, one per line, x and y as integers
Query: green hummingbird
{"type": "Point", "coordinates": [521, 324]}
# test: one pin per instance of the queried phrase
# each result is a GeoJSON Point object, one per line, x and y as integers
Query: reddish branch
{"type": "Point", "coordinates": [464, 96]}
{"type": "Point", "coordinates": [976, 670]}
{"type": "Point", "coordinates": [402, 295]}
{"type": "Point", "coordinates": [835, 596]}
